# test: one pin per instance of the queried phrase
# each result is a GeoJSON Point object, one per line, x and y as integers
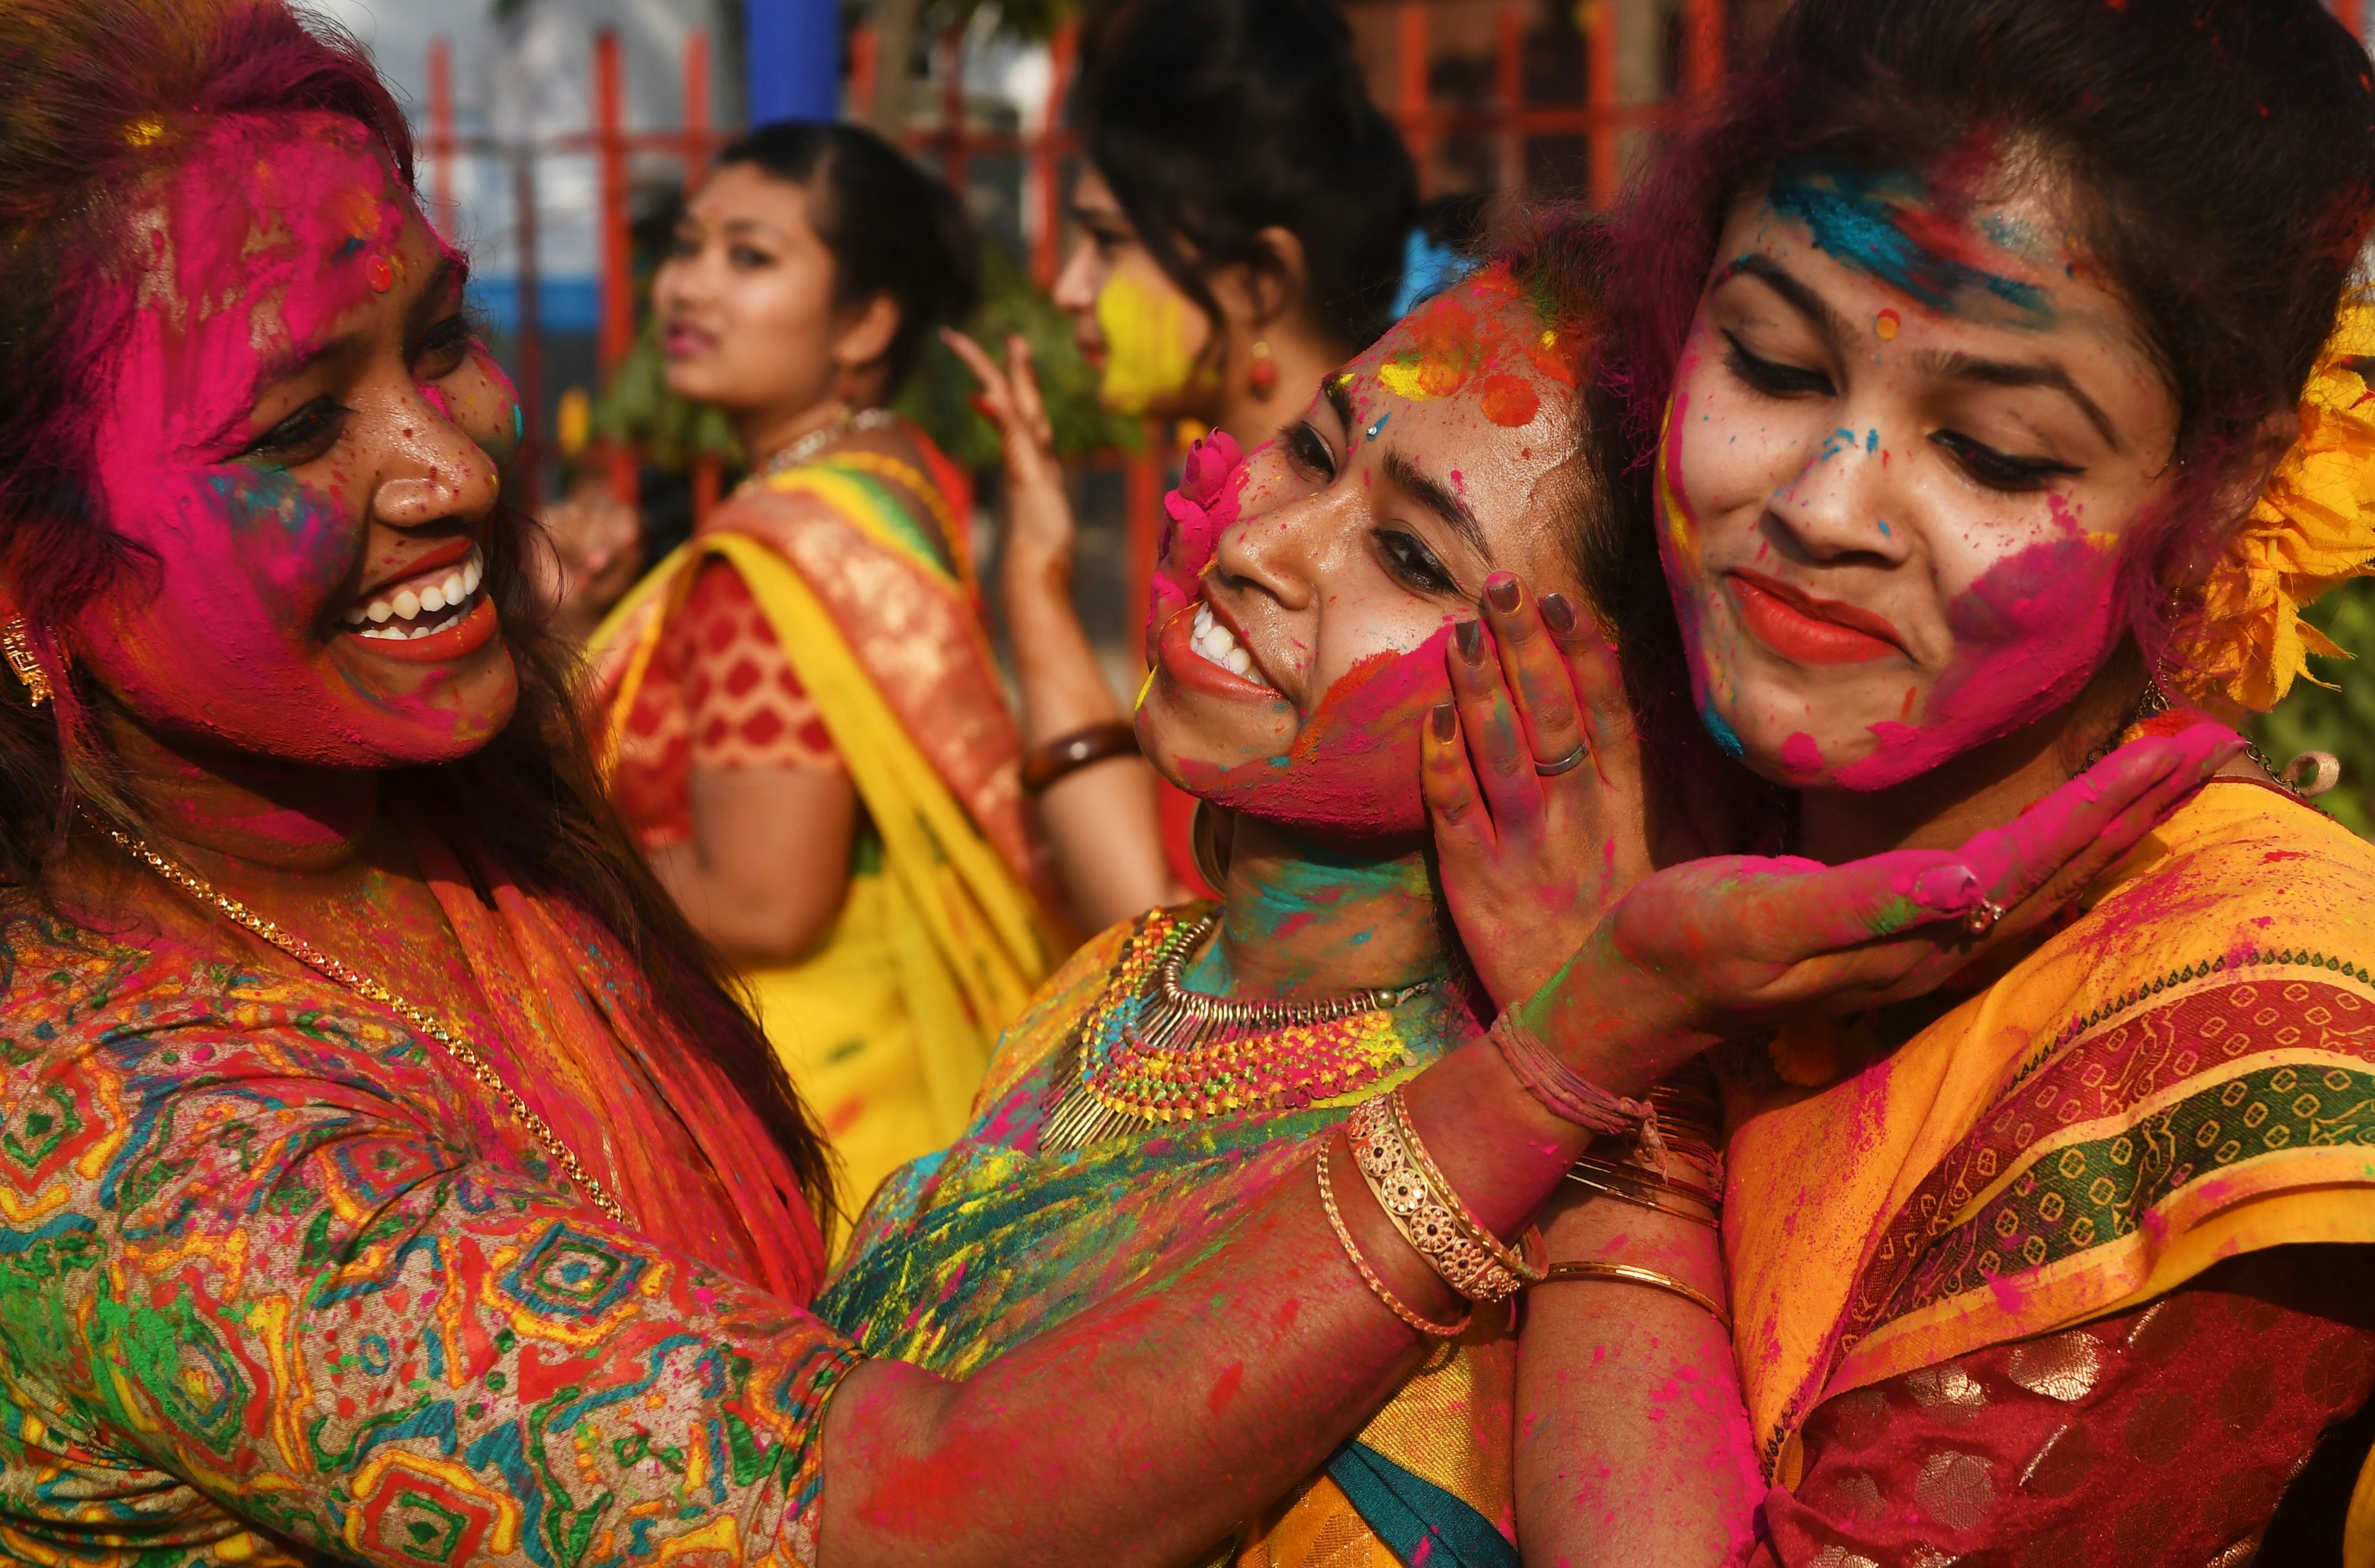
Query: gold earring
{"type": "Point", "coordinates": [19, 647]}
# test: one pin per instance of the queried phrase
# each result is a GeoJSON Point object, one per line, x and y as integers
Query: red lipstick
{"type": "Point", "coordinates": [1808, 630]}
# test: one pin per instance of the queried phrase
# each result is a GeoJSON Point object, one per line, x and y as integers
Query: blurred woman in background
{"type": "Point", "coordinates": [799, 711]}
{"type": "Point", "coordinates": [1245, 213]}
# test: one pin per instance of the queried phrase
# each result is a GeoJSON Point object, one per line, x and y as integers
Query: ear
{"type": "Point", "coordinates": [2255, 458]}
{"type": "Point", "coordinates": [867, 333]}
{"type": "Point", "coordinates": [1279, 288]}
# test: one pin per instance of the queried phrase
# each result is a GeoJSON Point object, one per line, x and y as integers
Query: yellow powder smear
{"type": "Point", "coordinates": [1146, 344]}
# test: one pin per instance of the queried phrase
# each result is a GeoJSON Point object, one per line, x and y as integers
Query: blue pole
{"type": "Point", "coordinates": [795, 59]}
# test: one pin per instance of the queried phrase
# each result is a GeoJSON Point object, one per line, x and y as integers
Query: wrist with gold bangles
{"type": "Point", "coordinates": [1419, 1199]}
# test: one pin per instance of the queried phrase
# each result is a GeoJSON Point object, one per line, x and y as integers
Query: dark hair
{"type": "Point", "coordinates": [892, 227]}
{"type": "Point", "coordinates": [1213, 120]}
{"type": "Point", "coordinates": [97, 100]}
{"type": "Point", "coordinates": [2216, 155]}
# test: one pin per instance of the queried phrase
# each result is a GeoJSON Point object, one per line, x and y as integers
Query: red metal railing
{"type": "Point", "coordinates": [1602, 118]}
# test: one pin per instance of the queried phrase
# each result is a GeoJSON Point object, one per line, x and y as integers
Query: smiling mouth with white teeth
{"type": "Point", "coordinates": [420, 607]}
{"type": "Point", "coordinates": [1217, 644]}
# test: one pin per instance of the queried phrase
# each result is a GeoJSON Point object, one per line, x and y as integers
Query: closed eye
{"type": "Point", "coordinates": [2000, 470]}
{"type": "Point", "coordinates": [1307, 452]}
{"type": "Point", "coordinates": [300, 438]}
{"type": "Point", "coordinates": [1772, 377]}
{"type": "Point", "coordinates": [1409, 563]}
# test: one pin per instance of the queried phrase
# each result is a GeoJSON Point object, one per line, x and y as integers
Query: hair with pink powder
{"type": "Point", "coordinates": [98, 100]}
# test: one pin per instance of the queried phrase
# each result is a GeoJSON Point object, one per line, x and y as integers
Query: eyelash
{"type": "Point", "coordinates": [314, 428]}
{"type": "Point", "coordinates": [1412, 564]}
{"type": "Point", "coordinates": [1982, 463]}
{"type": "Point", "coordinates": [1307, 452]}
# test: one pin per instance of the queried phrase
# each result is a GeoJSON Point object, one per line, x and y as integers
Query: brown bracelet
{"type": "Point", "coordinates": [1067, 754]}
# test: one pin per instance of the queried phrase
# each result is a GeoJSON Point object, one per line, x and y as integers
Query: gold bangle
{"type": "Point", "coordinates": [1633, 1274]}
{"type": "Point", "coordinates": [1712, 1222]}
{"type": "Point", "coordinates": [1642, 1176]}
{"type": "Point", "coordinates": [1368, 1276]}
{"type": "Point", "coordinates": [1418, 1211]}
{"type": "Point", "coordinates": [1448, 1196]}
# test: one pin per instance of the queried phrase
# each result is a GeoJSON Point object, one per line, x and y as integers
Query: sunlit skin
{"type": "Point", "coordinates": [1359, 539]}
{"type": "Point", "coordinates": [1892, 522]}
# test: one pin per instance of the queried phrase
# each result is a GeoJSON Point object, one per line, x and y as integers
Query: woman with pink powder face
{"type": "Point", "coordinates": [2006, 396]}
{"type": "Point", "coordinates": [391, 1175]}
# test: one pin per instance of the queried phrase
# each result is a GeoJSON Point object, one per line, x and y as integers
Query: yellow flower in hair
{"type": "Point", "coordinates": [2312, 528]}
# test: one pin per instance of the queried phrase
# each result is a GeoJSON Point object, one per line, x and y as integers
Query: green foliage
{"type": "Point", "coordinates": [939, 396]}
{"type": "Point", "coordinates": [2339, 719]}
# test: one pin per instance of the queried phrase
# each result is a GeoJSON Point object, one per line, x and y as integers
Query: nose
{"type": "Point", "coordinates": [435, 473]}
{"type": "Point", "coordinates": [1279, 553]}
{"type": "Point", "coordinates": [1076, 286]}
{"type": "Point", "coordinates": [1837, 506]}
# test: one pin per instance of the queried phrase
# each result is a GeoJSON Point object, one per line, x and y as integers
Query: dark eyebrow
{"type": "Point", "coordinates": [1440, 500]}
{"type": "Point", "coordinates": [1804, 301]}
{"type": "Point", "coordinates": [2005, 372]}
{"type": "Point", "coordinates": [1337, 390]}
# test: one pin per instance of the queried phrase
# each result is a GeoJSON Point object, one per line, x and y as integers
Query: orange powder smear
{"type": "Point", "coordinates": [1508, 401]}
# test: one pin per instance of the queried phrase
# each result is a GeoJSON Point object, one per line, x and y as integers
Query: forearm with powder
{"type": "Point", "coordinates": [1100, 820]}
{"type": "Point", "coordinates": [1216, 1390]}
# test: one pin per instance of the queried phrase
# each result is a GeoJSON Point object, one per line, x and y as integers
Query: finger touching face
{"type": "Point", "coordinates": [1301, 612]}
{"type": "Point", "coordinates": [303, 436]}
{"type": "Point", "coordinates": [1909, 432]}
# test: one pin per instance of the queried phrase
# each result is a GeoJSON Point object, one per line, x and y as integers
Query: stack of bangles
{"type": "Point", "coordinates": [1420, 1201]}
{"type": "Point", "coordinates": [1674, 1127]}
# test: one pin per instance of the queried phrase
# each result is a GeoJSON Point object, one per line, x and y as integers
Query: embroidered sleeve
{"type": "Point", "coordinates": [2167, 1434]}
{"type": "Point", "coordinates": [253, 1279]}
{"type": "Point", "coordinates": [744, 707]}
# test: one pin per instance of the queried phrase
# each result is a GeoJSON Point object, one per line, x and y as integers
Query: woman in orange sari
{"type": "Point", "coordinates": [799, 711]}
{"type": "Point", "coordinates": [2008, 396]}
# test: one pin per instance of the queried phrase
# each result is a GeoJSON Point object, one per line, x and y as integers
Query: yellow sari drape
{"type": "Point", "coordinates": [2183, 1074]}
{"type": "Point", "coordinates": [938, 947]}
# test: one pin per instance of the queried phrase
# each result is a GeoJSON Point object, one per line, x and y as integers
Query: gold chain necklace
{"type": "Point", "coordinates": [314, 958]}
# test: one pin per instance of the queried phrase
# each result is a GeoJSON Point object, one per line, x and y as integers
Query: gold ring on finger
{"type": "Point", "coordinates": [1565, 764]}
{"type": "Point", "coordinates": [1982, 920]}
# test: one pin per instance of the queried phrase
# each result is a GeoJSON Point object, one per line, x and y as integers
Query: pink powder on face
{"type": "Point", "coordinates": [2028, 635]}
{"type": "Point", "coordinates": [1801, 755]}
{"type": "Point", "coordinates": [1211, 490]}
{"type": "Point", "coordinates": [261, 244]}
{"type": "Point", "coordinates": [1354, 767]}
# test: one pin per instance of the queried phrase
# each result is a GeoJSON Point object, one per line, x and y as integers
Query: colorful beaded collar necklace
{"type": "Point", "coordinates": [1150, 1051]}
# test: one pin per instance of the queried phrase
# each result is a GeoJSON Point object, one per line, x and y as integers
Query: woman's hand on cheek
{"type": "Point", "coordinates": [1539, 820]}
{"type": "Point", "coordinates": [1724, 947]}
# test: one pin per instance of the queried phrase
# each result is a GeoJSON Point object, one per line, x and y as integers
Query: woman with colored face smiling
{"type": "Point", "coordinates": [2008, 399]}
{"type": "Point", "coordinates": [388, 1175]}
{"type": "Point", "coordinates": [801, 714]}
{"type": "Point", "coordinates": [1243, 211]}
{"type": "Point", "coordinates": [1316, 616]}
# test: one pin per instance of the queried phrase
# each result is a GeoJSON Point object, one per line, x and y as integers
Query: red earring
{"type": "Point", "coordinates": [1263, 373]}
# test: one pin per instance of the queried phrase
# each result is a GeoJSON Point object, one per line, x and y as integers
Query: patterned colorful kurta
{"type": "Point", "coordinates": [966, 1253]}
{"type": "Point", "coordinates": [1943, 1263]}
{"type": "Point", "coordinates": [279, 1279]}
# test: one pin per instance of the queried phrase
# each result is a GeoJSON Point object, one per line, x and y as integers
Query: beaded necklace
{"type": "Point", "coordinates": [1149, 1050]}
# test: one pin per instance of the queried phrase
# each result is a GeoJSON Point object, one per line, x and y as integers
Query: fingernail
{"type": "Point", "coordinates": [1447, 721]}
{"type": "Point", "coordinates": [1947, 888]}
{"type": "Point", "coordinates": [1469, 638]}
{"type": "Point", "coordinates": [1558, 612]}
{"type": "Point", "coordinates": [1501, 592]}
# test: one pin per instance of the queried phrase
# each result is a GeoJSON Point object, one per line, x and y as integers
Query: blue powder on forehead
{"type": "Point", "coordinates": [1854, 219]}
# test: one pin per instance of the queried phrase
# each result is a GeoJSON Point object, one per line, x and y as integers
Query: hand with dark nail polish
{"type": "Point", "coordinates": [1501, 592]}
{"type": "Point", "coordinates": [1469, 638]}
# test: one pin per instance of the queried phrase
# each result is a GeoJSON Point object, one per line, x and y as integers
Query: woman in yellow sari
{"type": "Point", "coordinates": [799, 712]}
{"type": "Point", "coordinates": [2010, 395]}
